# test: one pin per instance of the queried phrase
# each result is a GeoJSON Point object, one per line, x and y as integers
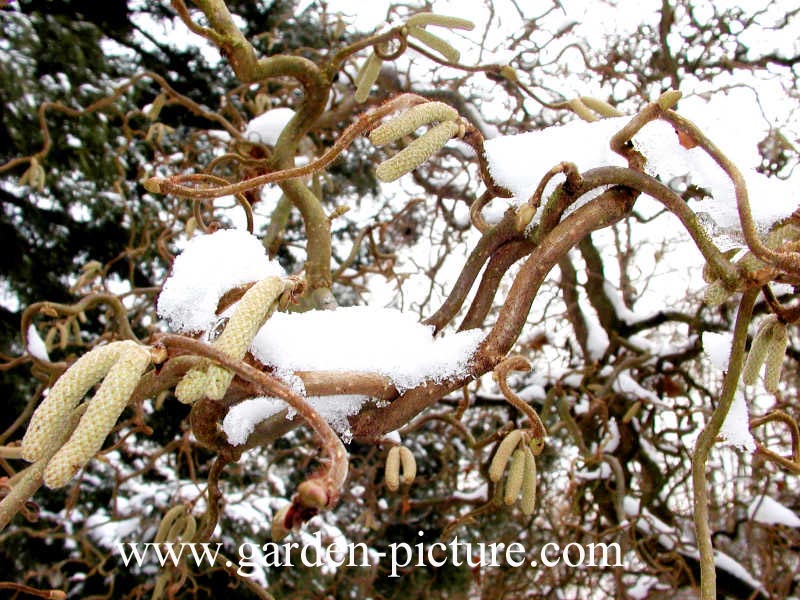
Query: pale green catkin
{"type": "Point", "coordinates": [392, 469]}
{"type": "Point", "coordinates": [52, 414]}
{"type": "Point", "coordinates": [102, 412]}
{"type": "Point", "coordinates": [411, 120]}
{"type": "Point", "coordinates": [528, 502]}
{"type": "Point", "coordinates": [251, 311]}
{"type": "Point", "coordinates": [172, 516]}
{"type": "Point", "coordinates": [516, 475]}
{"type": "Point", "coordinates": [367, 76]}
{"type": "Point", "coordinates": [427, 18]}
{"type": "Point", "coordinates": [435, 43]}
{"type": "Point", "coordinates": [758, 351]}
{"type": "Point", "coordinates": [417, 152]}
{"type": "Point", "coordinates": [776, 349]}
{"type": "Point", "coordinates": [503, 454]}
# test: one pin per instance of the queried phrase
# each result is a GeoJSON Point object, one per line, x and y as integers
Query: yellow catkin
{"type": "Point", "coordinates": [411, 120]}
{"type": "Point", "coordinates": [408, 464]}
{"type": "Point", "coordinates": [426, 18]}
{"type": "Point", "coordinates": [758, 351]}
{"type": "Point", "coordinates": [435, 43]}
{"type": "Point", "coordinates": [417, 152]}
{"type": "Point", "coordinates": [776, 349]}
{"type": "Point", "coordinates": [601, 107]}
{"type": "Point", "coordinates": [367, 76]}
{"type": "Point", "coordinates": [516, 475]}
{"type": "Point", "coordinates": [101, 414]}
{"type": "Point", "coordinates": [64, 396]}
{"type": "Point", "coordinates": [504, 451]}
{"type": "Point", "coordinates": [392, 469]}
{"type": "Point", "coordinates": [251, 311]}
{"type": "Point", "coordinates": [528, 502]}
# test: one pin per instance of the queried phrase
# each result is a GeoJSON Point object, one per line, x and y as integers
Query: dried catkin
{"type": "Point", "coordinates": [101, 414]}
{"type": "Point", "coordinates": [52, 414]}
{"type": "Point", "coordinates": [411, 120]}
{"type": "Point", "coordinates": [409, 465]}
{"type": "Point", "coordinates": [392, 469]}
{"type": "Point", "coordinates": [417, 152]}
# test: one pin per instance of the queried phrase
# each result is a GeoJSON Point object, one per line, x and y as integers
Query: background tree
{"type": "Point", "coordinates": [108, 111]}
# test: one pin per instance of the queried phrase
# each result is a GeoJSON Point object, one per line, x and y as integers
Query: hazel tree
{"type": "Point", "coordinates": [383, 285]}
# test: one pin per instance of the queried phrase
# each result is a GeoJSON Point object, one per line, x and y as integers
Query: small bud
{"type": "Point", "coordinates": [524, 216]}
{"type": "Point", "coordinates": [536, 445]}
{"type": "Point", "coordinates": [152, 184]}
{"type": "Point", "coordinates": [516, 475]}
{"type": "Point", "coordinates": [503, 454]}
{"type": "Point", "coordinates": [279, 528]}
{"type": "Point", "coordinates": [668, 99]}
{"type": "Point", "coordinates": [508, 72]}
{"type": "Point", "coordinates": [312, 493]}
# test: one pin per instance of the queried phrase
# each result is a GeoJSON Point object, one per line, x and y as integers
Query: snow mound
{"type": "Point", "coordinates": [518, 162]}
{"type": "Point", "coordinates": [364, 339]}
{"type": "Point", "coordinates": [210, 266]}
{"type": "Point", "coordinates": [266, 128]}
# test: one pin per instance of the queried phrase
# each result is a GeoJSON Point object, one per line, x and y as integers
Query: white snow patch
{"type": "Point", "coordinates": [266, 128]}
{"type": "Point", "coordinates": [210, 266]}
{"type": "Point", "coordinates": [736, 428]}
{"type": "Point", "coordinates": [771, 512]}
{"type": "Point", "coordinates": [518, 162]}
{"type": "Point", "coordinates": [364, 339]}
{"type": "Point", "coordinates": [717, 347]}
{"type": "Point", "coordinates": [241, 419]}
{"type": "Point", "coordinates": [36, 346]}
